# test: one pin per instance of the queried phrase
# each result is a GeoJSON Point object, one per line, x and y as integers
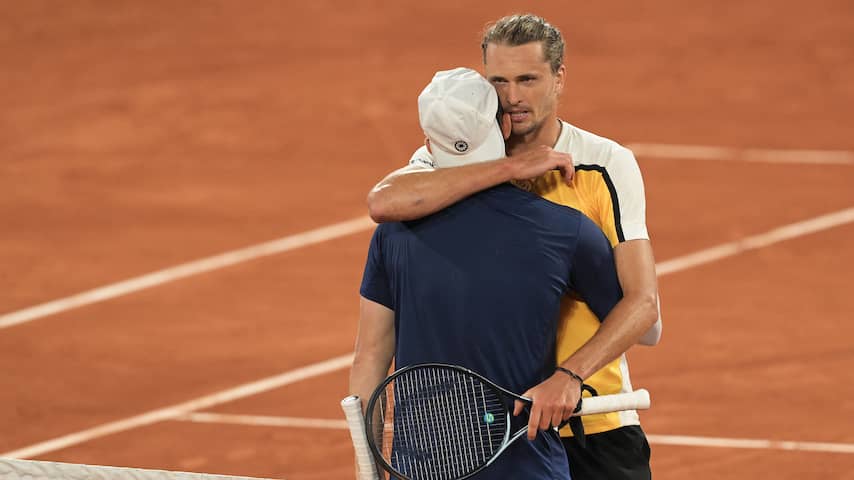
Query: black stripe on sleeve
{"type": "Point", "coordinates": [613, 191]}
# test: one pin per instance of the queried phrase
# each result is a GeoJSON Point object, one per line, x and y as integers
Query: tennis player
{"type": "Point", "coordinates": [523, 59]}
{"type": "Point", "coordinates": [479, 283]}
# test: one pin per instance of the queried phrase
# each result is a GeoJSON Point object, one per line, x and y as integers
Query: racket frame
{"type": "Point", "coordinates": [503, 393]}
{"type": "Point", "coordinates": [636, 400]}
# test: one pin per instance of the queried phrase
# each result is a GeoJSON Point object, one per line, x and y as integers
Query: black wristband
{"type": "Point", "coordinates": [571, 374]}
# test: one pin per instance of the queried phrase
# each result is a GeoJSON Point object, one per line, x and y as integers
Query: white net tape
{"type": "Point", "coordinates": [12, 469]}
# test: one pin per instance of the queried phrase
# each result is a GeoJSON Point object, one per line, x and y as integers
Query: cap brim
{"type": "Point", "coordinates": [492, 149]}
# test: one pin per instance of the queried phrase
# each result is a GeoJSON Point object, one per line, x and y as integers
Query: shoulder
{"type": "Point", "coordinates": [564, 214]}
{"type": "Point", "coordinates": [613, 163]}
{"type": "Point", "coordinates": [508, 198]}
{"type": "Point", "coordinates": [517, 196]}
{"type": "Point", "coordinates": [588, 148]}
{"type": "Point", "coordinates": [588, 229]}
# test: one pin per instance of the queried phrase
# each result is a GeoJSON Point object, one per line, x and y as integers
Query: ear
{"type": "Point", "coordinates": [560, 79]}
{"type": "Point", "coordinates": [427, 144]}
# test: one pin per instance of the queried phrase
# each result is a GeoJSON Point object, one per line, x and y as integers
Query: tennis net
{"type": "Point", "coordinates": [13, 469]}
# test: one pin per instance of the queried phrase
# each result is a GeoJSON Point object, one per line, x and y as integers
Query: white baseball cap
{"type": "Point", "coordinates": [458, 114]}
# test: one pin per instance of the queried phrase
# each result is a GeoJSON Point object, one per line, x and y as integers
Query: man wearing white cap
{"type": "Point", "coordinates": [479, 283]}
{"type": "Point", "coordinates": [458, 113]}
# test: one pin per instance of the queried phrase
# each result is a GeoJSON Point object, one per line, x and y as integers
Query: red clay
{"type": "Point", "coordinates": [138, 136]}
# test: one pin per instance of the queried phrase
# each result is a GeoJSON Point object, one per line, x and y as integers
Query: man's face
{"type": "Point", "coordinates": [526, 86]}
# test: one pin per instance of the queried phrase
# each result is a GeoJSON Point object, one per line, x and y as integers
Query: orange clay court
{"type": "Point", "coordinates": [139, 136]}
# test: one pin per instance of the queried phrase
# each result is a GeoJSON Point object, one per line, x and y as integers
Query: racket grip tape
{"type": "Point", "coordinates": [352, 407]}
{"type": "Point", "coordinates": [637, 400]}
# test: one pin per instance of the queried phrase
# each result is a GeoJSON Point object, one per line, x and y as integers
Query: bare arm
{"type": "Point", "coordinates": [633, 316]}
{"type": "Point", "coordinates": [414, 192]}
{"type": "Point", "coordinates": [374, 349]}
{"type": "Point", "coordinates": [653, 335]}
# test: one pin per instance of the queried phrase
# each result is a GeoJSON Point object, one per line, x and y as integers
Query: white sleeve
{"type": "Point", "coordinates": [422, 158]}
{"type": "Point", "coordinates": [628, 185]}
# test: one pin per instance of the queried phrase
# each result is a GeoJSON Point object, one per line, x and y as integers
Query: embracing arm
{"type": "Point", "coordinates": [633, 255]}
{"type": "Point", "coordinates": [653, 335]}
{"type": "Point", "coordinates": [413, 192]}
{"type": "Point", "coordinates": [374, 349]}
{"type": "Point", "coordinates": [630, 318]}
{"type": "Point", "coordinates": [636, 270]}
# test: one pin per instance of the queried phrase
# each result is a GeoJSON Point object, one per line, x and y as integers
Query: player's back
{"type": "Point", "coordinates": [479, 285]}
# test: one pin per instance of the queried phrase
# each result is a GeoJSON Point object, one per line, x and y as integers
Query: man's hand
{"type": "Point", "coordinates": [539, 160]}
{"type": "Point", "coordinates": [553, 402]}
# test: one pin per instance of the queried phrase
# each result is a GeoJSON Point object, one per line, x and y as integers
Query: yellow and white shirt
{"type": "Point", "coordinates": [607, 188]}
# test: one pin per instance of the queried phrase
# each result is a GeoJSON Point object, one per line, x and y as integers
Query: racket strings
{"type": "Point", "coordinates": [439, 424]}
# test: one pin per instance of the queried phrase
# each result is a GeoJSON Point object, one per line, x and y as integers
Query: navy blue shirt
{"type": "Point", "coordinates": [479, 284]}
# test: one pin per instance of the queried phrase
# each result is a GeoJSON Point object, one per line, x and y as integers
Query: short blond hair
{"type": "Point", "coordinates": [515, 30]}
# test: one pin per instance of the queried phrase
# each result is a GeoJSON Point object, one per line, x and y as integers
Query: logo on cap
{"type": "Point", "coordinates": [461, 146]}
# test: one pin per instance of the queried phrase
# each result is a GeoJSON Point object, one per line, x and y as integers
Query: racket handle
{"type": "Point", "coordinates": [637, 400]}
{"type": "Point", "coordinates": [352, 407]}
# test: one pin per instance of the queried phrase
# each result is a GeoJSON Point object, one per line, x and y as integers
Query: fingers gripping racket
{"type": "Point", "coordinates": [443, 422]}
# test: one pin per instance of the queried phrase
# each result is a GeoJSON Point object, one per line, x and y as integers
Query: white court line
{"type": "Point", "coordinates": [687, 441]}
{"type": "Point", "coordinates": [703, 152]}
{"type": "Point", "coordinates": [263, 420]}
{"type": "Point", "coordinates": [670, 266]}
{"type": "Point", "coordinates": [753, 242]}
{"type": "Point", "coordinates": [700, 152]}
{"type": "Point", "coordinates": [204, 265]}
{"type": "Point", "coordinates": [680, 440]}
{"type": "Point", "coordinates": [168, 413]}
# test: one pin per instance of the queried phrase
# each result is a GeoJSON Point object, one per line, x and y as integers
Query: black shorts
{"type": "Point", "coordinates": [619, 454]}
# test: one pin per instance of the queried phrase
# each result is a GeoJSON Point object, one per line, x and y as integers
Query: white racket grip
{"type": "Point", "coordinates": [637, 400]}
{"type": "Point", "coordinates": [352, 407]}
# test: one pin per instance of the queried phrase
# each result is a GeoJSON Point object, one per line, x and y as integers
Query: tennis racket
{"type": "Point", "coordinates": [444, 422]}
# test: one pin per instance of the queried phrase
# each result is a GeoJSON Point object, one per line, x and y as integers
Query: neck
{"type": "Point", "coordinates": [547, 134]}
